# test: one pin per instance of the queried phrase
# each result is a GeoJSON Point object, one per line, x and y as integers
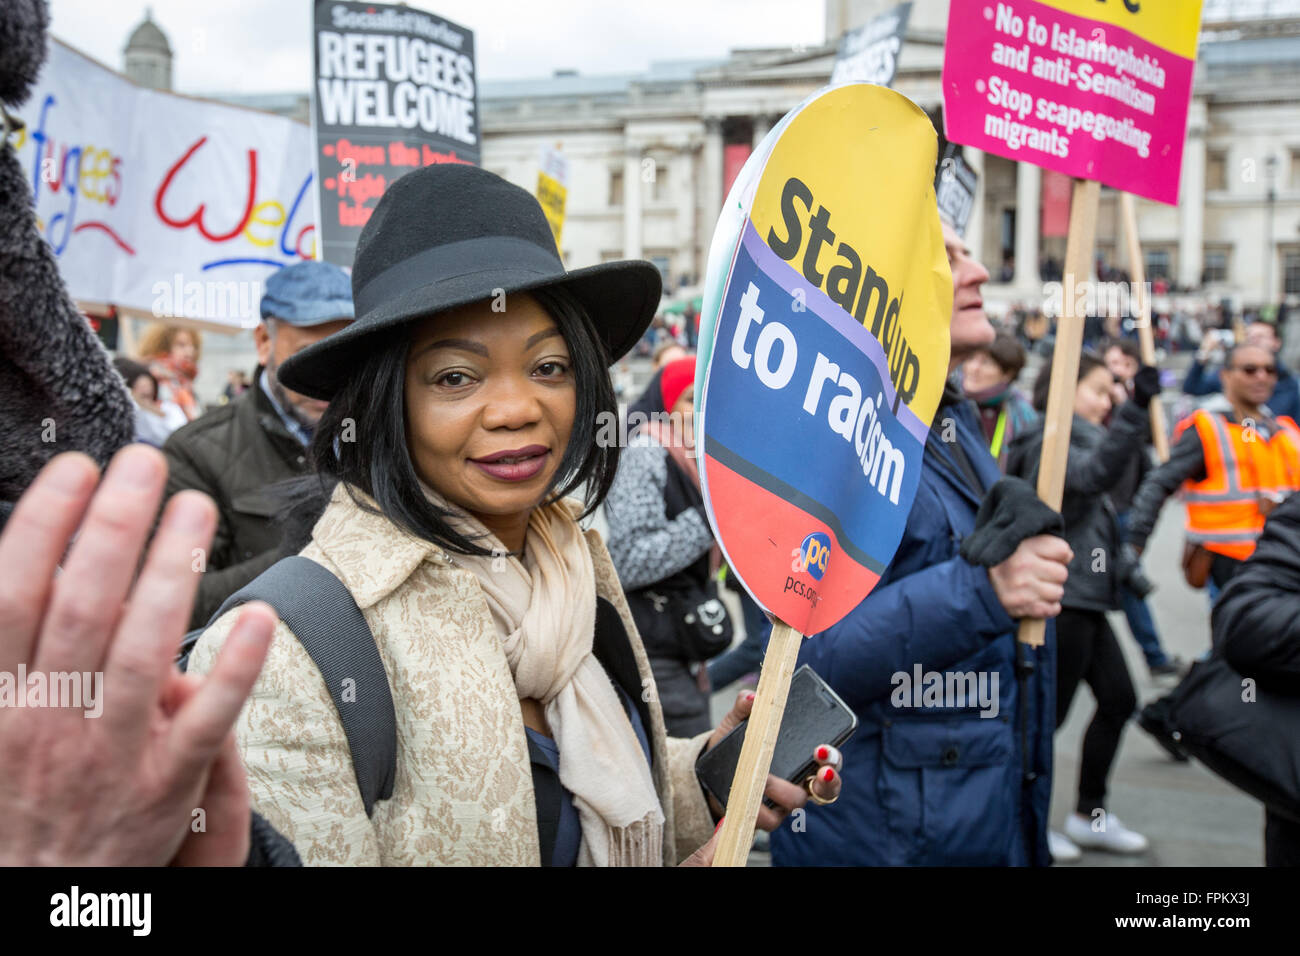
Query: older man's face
{"type": "Point", "coordinates": [970, 328]}
{"type": "Point", "coordinates": [276, 343]}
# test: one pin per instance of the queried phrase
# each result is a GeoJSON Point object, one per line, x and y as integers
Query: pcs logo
{"type": "Point", "coordinates": [815, 554]}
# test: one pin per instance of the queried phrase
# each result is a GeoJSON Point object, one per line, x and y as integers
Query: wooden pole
{"type": "Point", "coordinates": [1065, 365]}
{"type": "Point", "coordinates": [1146, 335]}
{"type": "Point", "coordinates": [764, 724]}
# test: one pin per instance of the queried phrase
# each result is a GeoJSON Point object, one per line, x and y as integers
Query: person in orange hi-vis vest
{"type": "Point", "coordinates": [1234, 461]}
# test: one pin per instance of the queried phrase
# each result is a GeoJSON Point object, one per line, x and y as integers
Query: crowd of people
{"type": "Point", "coordinates": [438, 515]}
{"type": "Point", "coordinates": [358, 616]}
{"type": "Point", "coordinates": [1234, 459]}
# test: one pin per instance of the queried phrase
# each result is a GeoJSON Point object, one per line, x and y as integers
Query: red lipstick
{"type": "Point", "coordinates": [514, 464]}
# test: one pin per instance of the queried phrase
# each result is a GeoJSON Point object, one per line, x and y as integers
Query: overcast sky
{"type": "Point", "coordinates": [257, 46]}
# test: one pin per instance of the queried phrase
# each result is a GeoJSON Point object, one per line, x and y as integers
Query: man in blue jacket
{"type": "Point", "coordinates": [951, 763]}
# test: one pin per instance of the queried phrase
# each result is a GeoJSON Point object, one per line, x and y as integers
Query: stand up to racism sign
{"type": "Point", "coordinates": [824, 348]}
{"type": "Point", "coordinates": [395, 90]}
{"type": "Point", "coordinates": [1096, 89]}
{"type": "Point", "coordinates": [825, 326]}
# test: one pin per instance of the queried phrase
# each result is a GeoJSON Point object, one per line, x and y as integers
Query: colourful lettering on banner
{"type": "Point", "coordinates": [129, 183]}
{"type": "Point", "coordinates": [831, 330]}
{"type": "Point", "coordinates": [95, 175]}
{"type": "Point", "coordinates": [268, 213]}
{"type": "Point", "coordinates": [79, 171]}
{"type": "Point", "coordinates": [1096, 89]}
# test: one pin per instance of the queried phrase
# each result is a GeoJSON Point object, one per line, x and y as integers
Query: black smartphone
{"type": "Point", "coordinates": [814, 715]}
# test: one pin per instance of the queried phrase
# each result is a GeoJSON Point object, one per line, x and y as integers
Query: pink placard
{"type": "Point", "coordinates": [1038, 85]}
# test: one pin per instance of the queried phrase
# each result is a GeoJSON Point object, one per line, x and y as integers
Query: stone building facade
{"type": "Point", "coordinates": [652, 153]}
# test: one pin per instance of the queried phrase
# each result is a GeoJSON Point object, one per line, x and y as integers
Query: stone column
{"type": "Point", "coordinates": [1191, 203]}
{"type": "Point", "coordinates": [1029, 197]}
{"type": "Point", "coordinates": [762, 125]}
{"type": "Point", "coordinates": [710, 179]}
{"type": "Point", "coordinates": [632, 202]}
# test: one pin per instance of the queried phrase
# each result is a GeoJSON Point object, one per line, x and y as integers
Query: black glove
{"type": "Point", "coordinates": [1146, 385]}
{"type": "Point", "coordinates": [1009, 513]}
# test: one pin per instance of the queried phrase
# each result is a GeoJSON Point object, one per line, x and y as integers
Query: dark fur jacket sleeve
{"type": "Point", "coordinates": [58, 390]}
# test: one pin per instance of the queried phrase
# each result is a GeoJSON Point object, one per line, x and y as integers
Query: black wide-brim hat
{"type": "Point", "coordinates": [451, 234]}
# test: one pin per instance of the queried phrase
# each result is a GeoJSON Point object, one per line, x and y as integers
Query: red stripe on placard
{"type": "Point", "coordinates": [762, 534]}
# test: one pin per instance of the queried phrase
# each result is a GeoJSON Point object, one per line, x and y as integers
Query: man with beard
{"type": "Point", "coordinates": [236, 453]}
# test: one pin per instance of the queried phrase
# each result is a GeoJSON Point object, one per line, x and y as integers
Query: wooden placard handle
{"type": "Point", "coordinates": [1146, 335]}
{"type": "Point", "coordinates": [1065, 365]}
{"type": "Point", "coordinates": [764, 724]}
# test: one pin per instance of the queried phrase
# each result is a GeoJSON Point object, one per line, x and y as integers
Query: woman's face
{"type": "Point", "coordinates": [980, 372]}
{"type": "Point", "coordinates": [1122, 366]}
{"type": "Point", "coordinates": [143, 389]}
{"type": "Point", "coordinates": [490, 403]}
{"type": "Point", "coordinates": [183, 349]}
{"type": "Point", "coordinates": [1092, 396]}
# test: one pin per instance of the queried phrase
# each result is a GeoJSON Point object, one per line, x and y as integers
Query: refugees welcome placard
{"type": "Point", "coordinates": [395, 89]}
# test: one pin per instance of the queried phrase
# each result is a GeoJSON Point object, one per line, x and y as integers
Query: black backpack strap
{"type": "Point", "coordinates": [320, 611]}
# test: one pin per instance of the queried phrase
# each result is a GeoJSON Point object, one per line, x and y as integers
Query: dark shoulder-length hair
{"type": "Point", "coordinates": [361, 439]}
{"type": "Point", "coordinates": [1088, 360]}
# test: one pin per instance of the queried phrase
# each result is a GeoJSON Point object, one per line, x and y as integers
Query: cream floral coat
{"type": "Point", "coordinates": [463, 793]}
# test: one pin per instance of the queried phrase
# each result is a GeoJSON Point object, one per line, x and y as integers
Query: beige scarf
{"type": "Point", "coordinates": [545, 610]}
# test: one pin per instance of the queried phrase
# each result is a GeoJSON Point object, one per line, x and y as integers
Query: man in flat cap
{"type": "Point", "coordinates": [238, 452]}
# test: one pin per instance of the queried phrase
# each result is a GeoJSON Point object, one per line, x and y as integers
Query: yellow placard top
{"type": "Point", "coordinates": [1172, 24]}
{"type": "Point", "coordinates": [847, 199]}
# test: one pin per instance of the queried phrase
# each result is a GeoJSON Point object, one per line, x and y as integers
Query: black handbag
{"type": "Point", "coordinates": [1247, 735]}
{"type": "Point", "coordinates": [700, 626]}
{"type": "Point", "coordinates": [704, 623]}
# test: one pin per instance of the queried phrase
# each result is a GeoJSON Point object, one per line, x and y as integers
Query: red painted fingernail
{"type": "Point", "coordinates": [719, 826]}
{"type": "Point", "coordinates": [749, 696]}
{"type": "Point", "coordinates": [823, 753]}
{"type": "Point", "coordinates": [828, 774]}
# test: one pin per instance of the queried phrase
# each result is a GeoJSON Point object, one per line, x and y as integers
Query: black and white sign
{"type": "Point", "coordinates": [395, 90]}
{"type": "Point", "coordinates": [954, 186]}
{"type": "Point", "coordinates": [870, 53]}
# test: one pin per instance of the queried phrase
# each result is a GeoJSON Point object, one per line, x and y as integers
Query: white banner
{"type": "Point", "coordinates": [160, 202]}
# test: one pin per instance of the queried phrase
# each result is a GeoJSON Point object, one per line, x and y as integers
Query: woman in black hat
{"type": "Point", "coordinates": [464, 404]}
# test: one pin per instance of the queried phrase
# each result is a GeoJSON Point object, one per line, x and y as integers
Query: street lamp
{"type": "Point", "coordinates": [1270, 173]}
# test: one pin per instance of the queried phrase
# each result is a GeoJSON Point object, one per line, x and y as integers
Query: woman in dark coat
{"type": "Point", "coordinates": [1086, 646]}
